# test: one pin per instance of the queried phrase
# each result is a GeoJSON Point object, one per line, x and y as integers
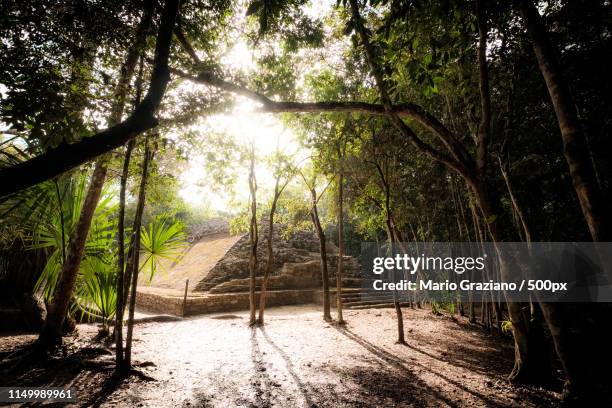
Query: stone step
{"type": "Point", "coordinates": [350, 282]}
{"type": "Point", "coordinates": [363, 296]}
{"type": "Point", "coordinates": [350, 290]}
{"type": "Point", "coordinates": [377, 306]}
{"type": "Point", "coordinates": [365, 292]}
{"type": "Point", "coordinates": [369, 301]}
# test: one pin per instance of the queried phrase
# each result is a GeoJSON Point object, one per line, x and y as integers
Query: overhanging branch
{"type": "Point", "coordinates": [407, 110]}
{"type": "Point", "coordinates": [67, 156]}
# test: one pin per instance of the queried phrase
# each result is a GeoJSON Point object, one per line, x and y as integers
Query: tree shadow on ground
{"type": "Point", "coordinates": [82, 370]}
{"type": "Point", "coordinates": [389, 385]}
{"type": "Point", "coordinates": [303, 388]}
{"type": "Point", "coordinates": [481, 356]}
{"type": "Point", "coordinates": [489, 354]}
{"type": "Point", "coordinates": [88, 370]}
{"type": "Point", "coordinates": [264, 390]}
{"type": "Point", "coordinates": [375, 387]}
{"type": "Point", "coordinates": [261, 382]}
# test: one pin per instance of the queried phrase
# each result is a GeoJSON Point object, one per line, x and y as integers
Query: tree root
{"type": "Point", "coordinates": [23, 357]}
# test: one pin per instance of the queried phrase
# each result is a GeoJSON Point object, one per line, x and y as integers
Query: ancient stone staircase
{"type": "Point", "coordinates": [361, 298]}
{"type": "Point", "coordinates": [217, 268]}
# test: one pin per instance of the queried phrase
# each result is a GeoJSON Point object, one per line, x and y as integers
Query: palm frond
{"type": "Point", "coordinates": [163, 240]}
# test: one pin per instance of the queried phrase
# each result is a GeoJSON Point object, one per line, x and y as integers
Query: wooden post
{"type": "Point", "coordinates": [185, 296]}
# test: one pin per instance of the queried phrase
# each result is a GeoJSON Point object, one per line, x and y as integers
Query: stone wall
{"type": "Point", "coordinates": [219, 303]}
{"type": "Point", "coordinates": [156, 303]}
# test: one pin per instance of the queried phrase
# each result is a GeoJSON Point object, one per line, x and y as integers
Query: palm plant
{"type": "Point", "coordinates": [47, 216]}
{"type": "Point", "coordinates": [52, 229]}
{"type": "Point", "coordinates": [96, 295]}
{"type": "Point", "coordinates": [163, 240]}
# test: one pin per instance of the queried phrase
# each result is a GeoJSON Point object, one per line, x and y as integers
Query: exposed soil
{"type": "Point", "coordinates": [297, 360]}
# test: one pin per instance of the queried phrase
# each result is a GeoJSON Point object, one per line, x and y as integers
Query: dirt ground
{"type": "Point", "coordinates": [297, 360]}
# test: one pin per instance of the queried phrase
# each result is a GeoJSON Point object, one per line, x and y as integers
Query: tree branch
{"type": "Point", "coordinates": [67, 156]}
{"type": "Point", "coordinates": [178, 32]}
{"type": "Point", "coordinates": [460, 160]}
{"type": "Point", "coordinates": [408, 110]}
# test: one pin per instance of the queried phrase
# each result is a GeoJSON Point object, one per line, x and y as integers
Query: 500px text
{"type": "Point", "coordinates": [537, 285]}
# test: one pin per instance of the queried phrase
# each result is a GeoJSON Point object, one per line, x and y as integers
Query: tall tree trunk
{"type": "Point", "coordinates": [253, 240]}
{"type": "Point", "coordinates": [314, 214]}
{"type": "Point", "coordinates": [531, 363]}
{"type": "Point", "coordinates": [528, 355]}
{"type": "Point", "coordinates": [393, 238]}
{"type": "Point", "coordinates": [340, 270]}
{"type": "Point", "coordinates": [134, 264]}
{"type": "Point", "coordinates": [401, 339]}
{"type": "Point", "coordinates": [278, 190]}
{"type": "Point", "coordinates": [51, 333]}
{"type": "Point", "coordinates": [120, 308]}
{"type": "Point", "coordinates": [575, 147]}
{"type": "Point", "coordinates": [54, 323]}
{"type": "Point", "coordinates": [270, 254]}
{"type": "Point", "coordinates": [579, 352]}
{"type": "Point", "coordinates": [121, 257]}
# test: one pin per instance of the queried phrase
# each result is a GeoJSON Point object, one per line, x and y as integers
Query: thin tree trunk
{"type": "Point", "coordinates": [515, 204]}
{"type": "Point", "coordinates": [134, 265]}
{"type": "Point", "coordinates": [129, 267]}
{"type": "Point", "coordinates": [484, 127]}
{"type": "Point", "coordinates": [314, 214]}
{"type": "Point", "coordinates": [270, 262]}
{"type": "Point", "coordinates": [253, 239]}
{"type": "Point", "coordinates": [340, 270]}
{"type": "Point", "coordinates": [62, 221]}
{"type": "Point", "coordinates": [120, 307]}
{"type": "Point", "coordinates": [396, 302]}
{"type": "Point", "coordinates": [121, 257]}
{"type": "Point", "coordinates": [393, 239]}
